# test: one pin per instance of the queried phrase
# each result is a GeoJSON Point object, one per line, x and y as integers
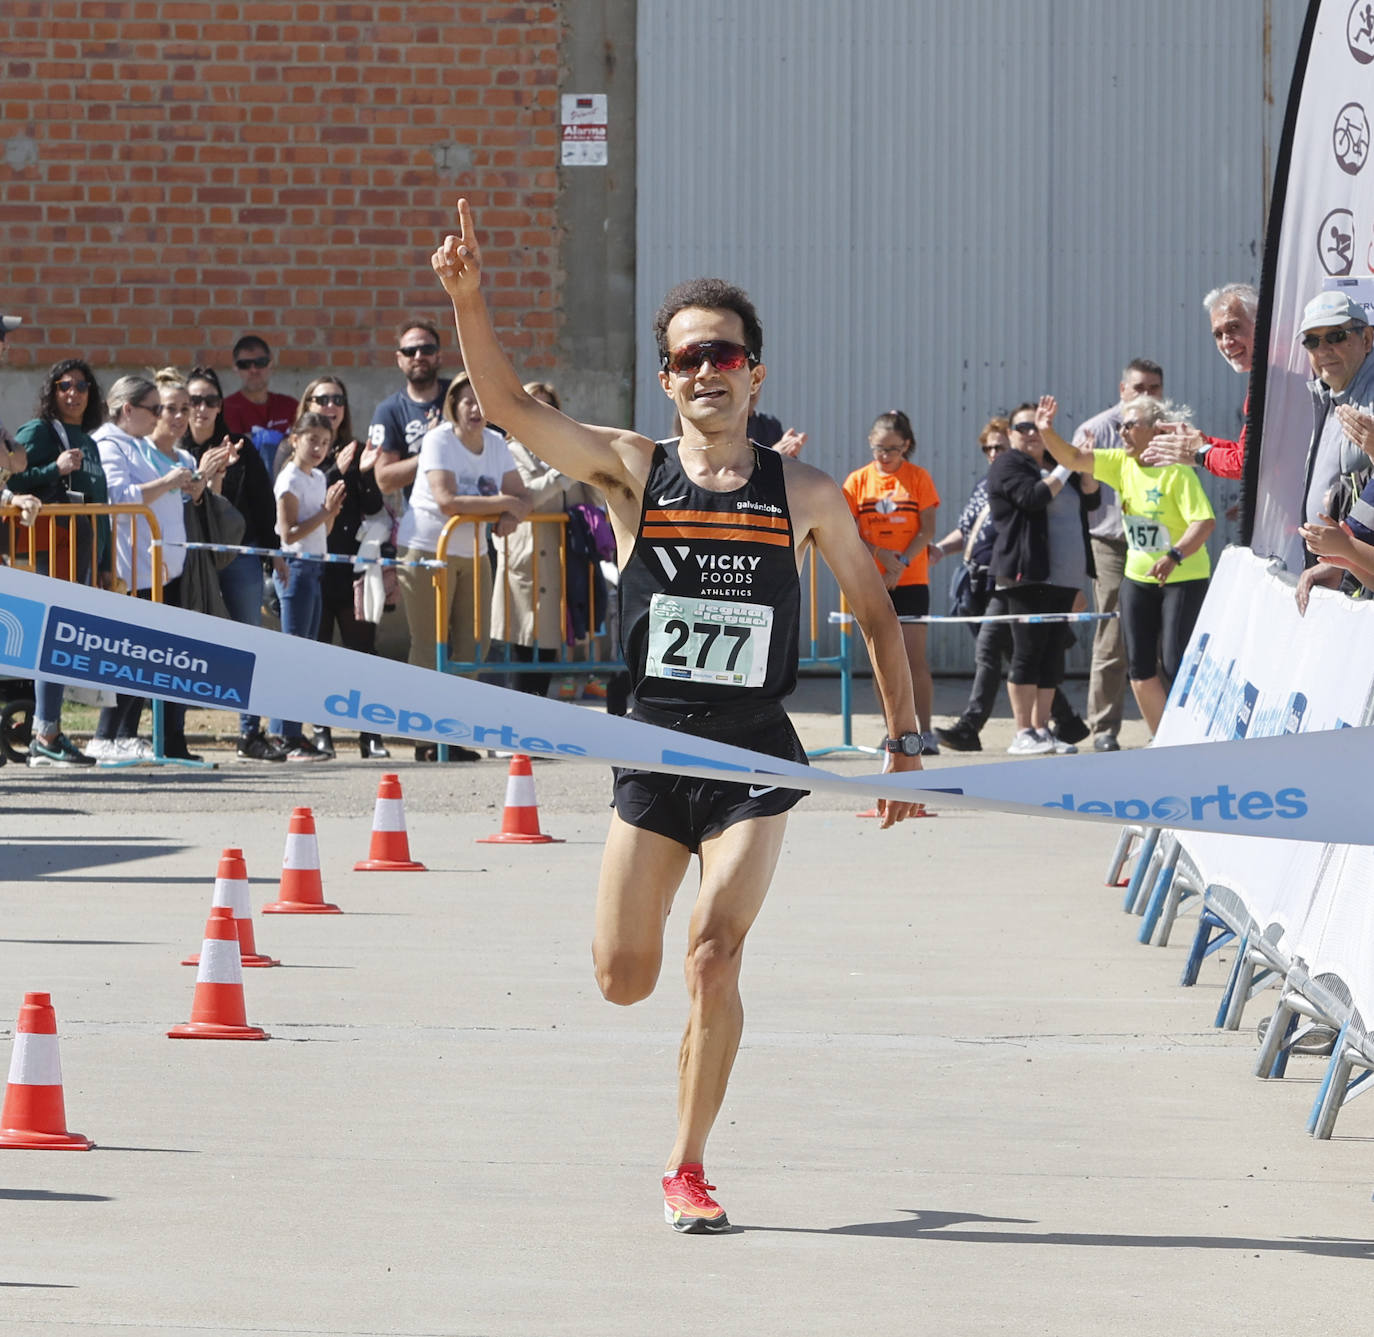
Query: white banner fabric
{"type": "Point", "coordinates": [1284, 787]}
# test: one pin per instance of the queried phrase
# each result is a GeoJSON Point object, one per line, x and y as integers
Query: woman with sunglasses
{"type": "Point", "coordinates": [245, 485]}
{"type": "Point", "coordinates": [144, 466]}
{"type": "Point", "coordinates": [63, 464]}
{"type": "Point", "coordinates": [894, 503]}
{"type": "Point", "coordinates": [355, 467]}
{"type": "Point", "coordinates": [1168, 520]}
{"type": "Point", "coordinates": [1041, 560]}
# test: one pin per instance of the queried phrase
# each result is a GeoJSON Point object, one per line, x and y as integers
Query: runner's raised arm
{"type": "Point", "coordinates": [613, 459]}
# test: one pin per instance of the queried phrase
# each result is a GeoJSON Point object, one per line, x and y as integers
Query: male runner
{"type": "Point", "coordinates": [710, 530]}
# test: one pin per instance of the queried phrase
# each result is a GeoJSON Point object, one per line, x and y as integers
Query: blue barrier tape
{"type": "Point", "coordinates": [847, 619]}
{"type": "Point", "coordinates": [306, 556]}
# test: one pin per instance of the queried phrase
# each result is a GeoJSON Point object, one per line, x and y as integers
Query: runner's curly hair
{"type": "Point", "coordinates": [710, 295]}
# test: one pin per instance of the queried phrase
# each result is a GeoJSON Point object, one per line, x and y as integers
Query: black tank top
{"type": "Point", "coordinates": [709, 599]}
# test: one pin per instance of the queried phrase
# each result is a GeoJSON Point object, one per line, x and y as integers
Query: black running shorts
{"type": "Point", "coordinates": [689, 810]}
{"type": "Point", "coordinates": [910, 600]}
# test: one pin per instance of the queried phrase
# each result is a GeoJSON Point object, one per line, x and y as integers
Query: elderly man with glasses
{"type": "Point", "coordinates": [1336, 334]}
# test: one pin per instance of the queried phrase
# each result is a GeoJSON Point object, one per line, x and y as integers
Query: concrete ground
{"type": "Point", "coordinates": [967, 1102]}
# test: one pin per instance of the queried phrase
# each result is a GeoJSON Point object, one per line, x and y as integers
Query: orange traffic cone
{"type": "Point", "coordinates": [231, 889]}
{"type": "Point", "coordinates": [302, 892]}
{"type": "Point", "coordinates": [520, 822]}
{"type": "Point", "coordinates": [390, 848]}
{"type": "Point", "coordinates": [217, 1008]}
{"type": "Point", "coordinates": [34, 1115]}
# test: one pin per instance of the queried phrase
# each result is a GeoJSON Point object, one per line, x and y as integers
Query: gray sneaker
{"type": "Point", "coordinates": [1029, 743]}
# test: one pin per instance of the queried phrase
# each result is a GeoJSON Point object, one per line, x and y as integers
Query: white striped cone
{"type": "Point", "coordinates": [520, 821]}
{"type": "Point", "coordinates": [34, 1114]}
{"type": "Point", "coordinates": [302, 891]}
{"type": "Point", "coordinates": [390, 848]}
{"type": "Point", "coordinates": [217, 1011]}
{"type": "Point", "coordinates": [231, 889]}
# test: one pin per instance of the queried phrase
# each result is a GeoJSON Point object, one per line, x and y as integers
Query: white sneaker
{"type": "Point", "coordinates": [1061, 748]}
{"type": "Point", "coordinates": [134, 749]}
{"type": "Point", "coordinates": [103, 749]}
{"type": "Point", "coordinates": [1029, 743]}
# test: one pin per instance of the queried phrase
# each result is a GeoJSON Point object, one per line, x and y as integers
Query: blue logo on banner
{"type": "Point", "coordinates": [403, 720]}
{"type": "Point", "coordinates": [143, 661]}
{"type": "Point", "coordinates": [1223, 804]}
{"type": "Point", "coordinates": [21, 629]}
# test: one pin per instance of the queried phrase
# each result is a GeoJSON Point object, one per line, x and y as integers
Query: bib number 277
{"type": "Point", "coordinates": [708, 640]}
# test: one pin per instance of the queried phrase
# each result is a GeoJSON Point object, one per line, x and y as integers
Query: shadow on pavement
{"type": "Point", "coordinates": [925, 1225]}
{"type": "Point", "coordinates": [36, 860]}
{"type": "Point", "coordinates": [46, 1195]}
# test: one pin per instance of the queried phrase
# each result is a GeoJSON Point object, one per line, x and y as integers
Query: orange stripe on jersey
{"type": "Point", "coordinates": [750, 519]}
{"type": "Point", "coordinates": [666, 531]}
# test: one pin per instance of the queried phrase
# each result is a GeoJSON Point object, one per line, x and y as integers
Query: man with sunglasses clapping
{"type": "Point", "coordinates": [1336, 334]}
{"type": "Point", "coordinates": [401, 420]}
{"type": "Point", "coordinates": [709, 530]}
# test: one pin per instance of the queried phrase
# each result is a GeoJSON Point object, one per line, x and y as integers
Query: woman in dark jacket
{"type": "Point", "coordinates": [248, 488]}
{"type": "Point", "coordinates": [1040, 562]}
{"type": "Point", "coordinates": [63, 466]}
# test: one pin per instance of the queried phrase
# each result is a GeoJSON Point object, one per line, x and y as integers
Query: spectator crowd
{"type": "Point", "coordinates": [1113, 507]}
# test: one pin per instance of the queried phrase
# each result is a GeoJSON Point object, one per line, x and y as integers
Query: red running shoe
{"type": "Point", "coordinates": [688, 1206]}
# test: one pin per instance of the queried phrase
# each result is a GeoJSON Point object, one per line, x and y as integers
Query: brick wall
{"type": "Point", "coordinates": [173, 174]}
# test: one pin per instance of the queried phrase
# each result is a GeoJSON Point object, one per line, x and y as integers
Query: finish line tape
{"type": "Point", "coordinates": [1295, 787]}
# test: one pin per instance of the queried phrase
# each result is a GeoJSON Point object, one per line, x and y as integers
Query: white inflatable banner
{"type": "Point", "coordinates": [1294, 787]}
{"type": "Point", "coordinates": [1255, 669]}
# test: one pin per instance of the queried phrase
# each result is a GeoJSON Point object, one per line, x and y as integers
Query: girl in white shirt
{"type": "Point", "coordinates": [306, 508]}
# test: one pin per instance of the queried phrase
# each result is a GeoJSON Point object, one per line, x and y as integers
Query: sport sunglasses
{"type": "Point", "coordinates": [418, 350]}
{"type": "Point", "coordinates": [721, 353]}
{"type": "Point", "coordinates": [243, 363]}
{"type": "Point", "coordinates": [1331, 336]}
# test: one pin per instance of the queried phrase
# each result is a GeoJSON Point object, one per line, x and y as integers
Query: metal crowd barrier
{"type": "Point", "coordinates": [25, 545]}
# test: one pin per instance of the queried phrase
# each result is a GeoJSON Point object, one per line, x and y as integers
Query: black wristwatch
{"type": "Point", "coordinates": [908, 744]}
{"type": "Point", "coordinates": [1175, 556]}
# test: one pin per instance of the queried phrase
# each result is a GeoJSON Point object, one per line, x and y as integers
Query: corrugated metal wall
{"type": "Point", "coordinates": [951, 208]}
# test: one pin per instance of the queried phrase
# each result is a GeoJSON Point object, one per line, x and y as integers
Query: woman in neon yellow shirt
{"type": "Point", "coordinates": [1168, 521]}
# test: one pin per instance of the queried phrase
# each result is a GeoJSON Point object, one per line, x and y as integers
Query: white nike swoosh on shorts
{"type": "Point", "coordinates": [755, 792]}
{"type": "Point", "coordinates": [671, 501]}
